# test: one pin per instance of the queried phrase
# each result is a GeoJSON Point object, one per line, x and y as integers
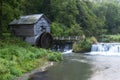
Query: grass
{"type": "Point", "coordinates": [18, 57]}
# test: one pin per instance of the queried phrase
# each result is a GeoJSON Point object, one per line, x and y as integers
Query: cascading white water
{"type": "Point", "coordinates": [67, 52]}
{"type": "Point", "coordinates": [105, 49]}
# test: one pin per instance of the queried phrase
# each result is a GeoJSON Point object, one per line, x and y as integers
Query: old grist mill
{"type": "Point", "coordinates": [34, 29]}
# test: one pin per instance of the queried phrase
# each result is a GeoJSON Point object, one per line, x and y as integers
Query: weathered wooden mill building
{"type": "Point", "coordinates": [34, 29]}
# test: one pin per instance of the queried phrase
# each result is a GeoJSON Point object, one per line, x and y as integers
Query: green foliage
{"type": "Point", "coordinates": [90, 23]}
{"type": "Point", "coordinates": [109, 12]}
{"type": "Point", "coordinates": [68, 17]}
{"type": "Point", "coordinates": [17, 57]}
{"type": "Point", "coordinates": [65, 13]}
{"type": "Point", "coordinates": [110, 38]}
{"type": "Point", "coordinates": [54, 56]}
{"type": "Point", "coordinates": [10, 10]}
{"type": "Point", "coordinates": [56, 29]}
{"type": "Point", "coordinates": [93, 40]}
{"type": "Point", "coordinates": [74, 30]}
{"type": "Point", "coordinates": [82, 46]}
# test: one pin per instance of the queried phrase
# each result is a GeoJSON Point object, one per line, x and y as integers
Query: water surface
{"type": "Point", "coordinates": [105, 67]}
{"type": "Point", "coordinates": [73, 67]}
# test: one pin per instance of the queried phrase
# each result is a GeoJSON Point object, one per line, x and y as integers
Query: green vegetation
{"type": "Point", "coordinates": [9, 11]}
{"type": "Point", "coordinates": [99, 18]}
{"type": "Point", "coordinates": [84, 45]}
{"type": "Point", "coordinates": [68, 17]}
{"type": "Point", "coordinates": [17, 57]}
{"type": "Point", "coordinates": [110, 38]}
{"type": "Point", "coordinates": [109, 12]}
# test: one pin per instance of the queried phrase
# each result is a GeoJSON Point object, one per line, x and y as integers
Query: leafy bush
{"type": "Point", "coordinates": [53, 56]}
{"type": "Point", "coordinates": [82, 46]}
{"type": "Point", "coordinates": [93, 40]}
{"type": "Point", "coordinates": [57, 29]}
{"type": "Point", "coordinates": [17, 57]}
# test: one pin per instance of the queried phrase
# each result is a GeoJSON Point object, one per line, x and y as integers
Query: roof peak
{"type": "Point", "coordinates": [27, 19]}
{"type": "Point", "coordinates": [32, 15]}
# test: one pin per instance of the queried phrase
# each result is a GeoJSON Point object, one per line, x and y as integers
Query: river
{"type": "Point", "coordinates": [78, 66]}
{"type": "Point", "coordinates": [73, 67]}
{"type": "Point", "coordinates": [86, 67]}
{"type": "Point", "coordinates": [105, 67]}
{"type": "Point", "coordinates": [82, 67]}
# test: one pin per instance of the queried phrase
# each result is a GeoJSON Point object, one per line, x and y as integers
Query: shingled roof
{"type": "Point", "coordinates": [28, 19]}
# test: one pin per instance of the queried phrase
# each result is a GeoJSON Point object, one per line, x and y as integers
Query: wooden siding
{"type": "Point", "coordinates": [38, 27]}
{"type": "Point", "coordinates": [23, 30]}
{"type": "Point", "coordinates": [31, 32]}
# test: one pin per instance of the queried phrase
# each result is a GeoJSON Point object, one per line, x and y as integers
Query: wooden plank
{"type": "Point", "coordinates": [69, 38]}
{"type": "Point", "coordinates": [23, 30]}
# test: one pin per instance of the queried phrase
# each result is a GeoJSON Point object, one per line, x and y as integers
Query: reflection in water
{"type": "Point", "coordinates": [85, 67]}
{"type": "Point", "coordinates": [74, 67]}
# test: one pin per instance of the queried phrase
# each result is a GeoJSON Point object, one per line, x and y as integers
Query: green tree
{"type": "Point", "coordinates": [112, 17]}
{"type": "Point", "coordinates": [56, 29]}
{"type": "Point", "coordinates": [109, 12]}
{"type": "Point", "coordinates": [10, 10]}
{"type": "Point", "coordinates": [37, 7]}
{"type": "Point", "coordinates": [0, 18]}
{"type": "Point", "coordinates": [89, 22]}
{"type": "Point", "coordinates": [65, 13]}
{"type": "Point", "coordinates": [74, 30]}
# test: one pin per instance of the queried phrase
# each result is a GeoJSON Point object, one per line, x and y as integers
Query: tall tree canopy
{"type": "Point", "coordinates": [110, 14]}
{"type": "Point", "coordinates": [90, 23]}
{"type": "Point", "coordinates": [68, 17]}
{"type": "Point", "coordinates": [65, 13]}
{"type": "Point", "coordinates": [10, 10]}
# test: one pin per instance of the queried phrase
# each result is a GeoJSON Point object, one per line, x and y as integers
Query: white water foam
{"type": "Point", "coordinates": [67, 52]}
{"type": "Point", "coordinates": [105, 49]}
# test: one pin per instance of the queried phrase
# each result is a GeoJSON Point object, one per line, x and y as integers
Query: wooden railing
{"type": "Point", "coordinates": [71, 38]}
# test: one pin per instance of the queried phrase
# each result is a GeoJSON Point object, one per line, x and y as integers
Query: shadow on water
{"type": "Point", "coordinates": [73, 67]}
{"type": "Point", "coordinates": [39, 76]}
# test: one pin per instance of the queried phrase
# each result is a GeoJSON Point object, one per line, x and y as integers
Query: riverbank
{"type": "Point", "coordinates": [32, 74]}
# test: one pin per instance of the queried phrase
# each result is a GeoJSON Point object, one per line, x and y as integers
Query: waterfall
{"type": "Point", "coordinates": [65, 48]}
{"type": "Point", "coordinates": [105, 49]}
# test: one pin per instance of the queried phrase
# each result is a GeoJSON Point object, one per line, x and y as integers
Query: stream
{"type": "Point", "coordinates": [74, 67]}
{"type": "Point", "coordinates": [102, 63]}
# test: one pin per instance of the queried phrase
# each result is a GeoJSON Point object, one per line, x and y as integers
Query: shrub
{"type": "Point", "coordinates": [18, 57]}
{"type": "Point", "coordinates": [93, 40]}
{"type": "Point", "coordinates": [82, 46]}
{"type": "Point", "coordinates": [53, 56]}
